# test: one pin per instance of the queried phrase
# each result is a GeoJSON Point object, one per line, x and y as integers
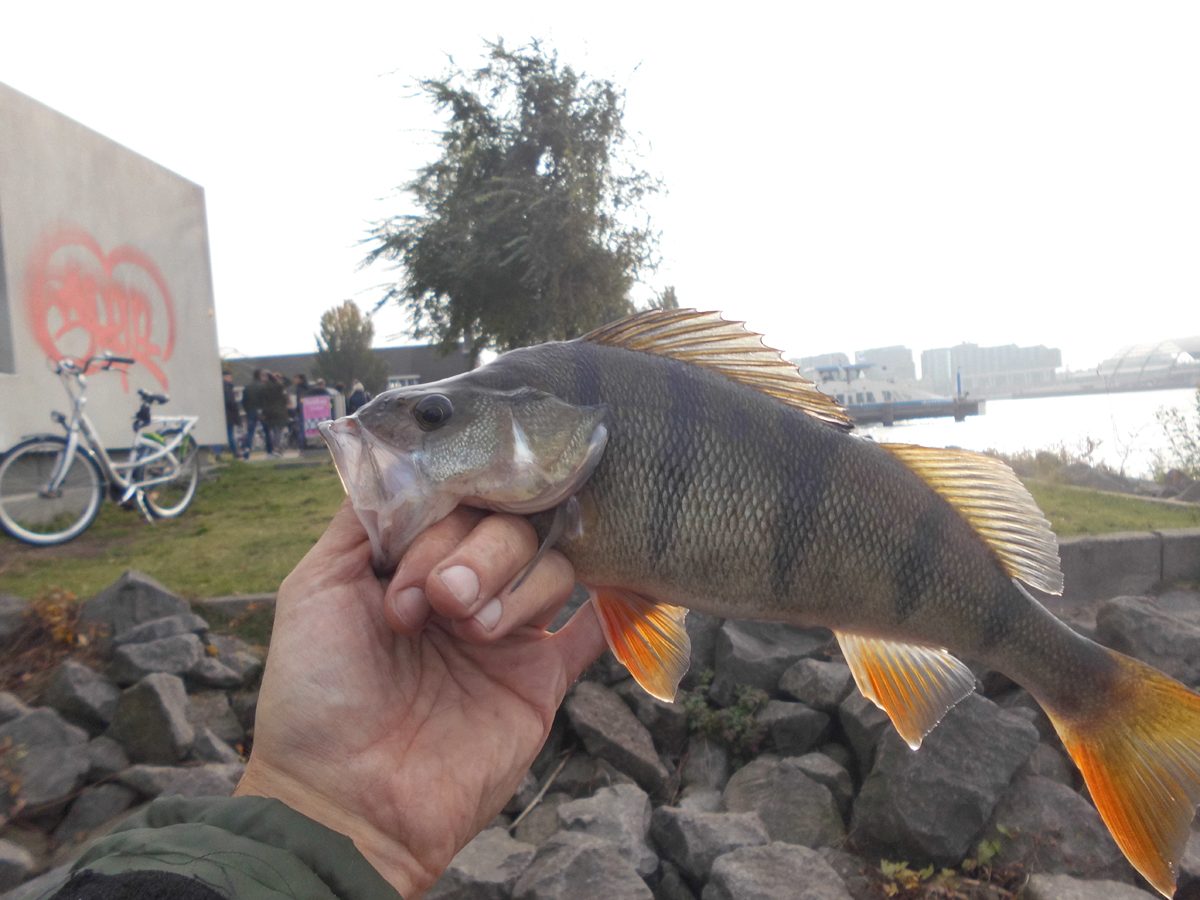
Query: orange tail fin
{"type": "Point", "coordinates": [1139, 753]}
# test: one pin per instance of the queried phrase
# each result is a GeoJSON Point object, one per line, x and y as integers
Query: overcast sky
{"type": "Point", "coordinates": [841, 175]}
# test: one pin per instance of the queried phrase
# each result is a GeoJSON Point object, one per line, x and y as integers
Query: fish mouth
{"type": "Point", "coordinates": [393, 498]}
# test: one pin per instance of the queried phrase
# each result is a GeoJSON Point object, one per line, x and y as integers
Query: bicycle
{"type": "Point", "coordinates": [52, 487]}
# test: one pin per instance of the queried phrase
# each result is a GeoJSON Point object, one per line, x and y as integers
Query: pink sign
{"type": "Point", "coordinates": [316, 409]}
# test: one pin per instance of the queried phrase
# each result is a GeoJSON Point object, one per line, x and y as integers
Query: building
{"type": "Point", "coordinates": [415, 364]}
{"type": "Point", "coordinates": [823, 361]}
{"type": "Point", "coordinates": [976, 371]}
{"type": "Point", "coordinates": [100, 250]}
{"type": "Point", "coordinates": [895, 363]}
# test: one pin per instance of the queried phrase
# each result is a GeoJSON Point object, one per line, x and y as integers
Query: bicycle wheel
{"type": "Point", "coordinates": [32, 514]}
{"type": "Point", "coordinates": [170, 498]}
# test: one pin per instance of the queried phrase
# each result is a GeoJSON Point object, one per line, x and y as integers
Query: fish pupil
{"type": "Point", "coordinates": [433, 411]}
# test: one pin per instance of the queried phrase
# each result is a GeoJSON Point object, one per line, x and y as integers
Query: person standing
{"type": "Point", "coordinates": [300, 389]}
{"type": "Point", "coordinates": [253, 398]}
{"type": "Point", "coordinates": [274, 409]}
{"type": "Point", "coordinates": [357, 399]}
{"type": "Point", "coordinates": [233, 413]}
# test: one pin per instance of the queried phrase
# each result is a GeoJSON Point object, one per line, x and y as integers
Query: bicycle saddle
{"type": "Point", "coordinates": [152, 398]}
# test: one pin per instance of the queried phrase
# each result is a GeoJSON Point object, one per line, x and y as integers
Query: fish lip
{"type": "Point", "coordinates": [392, 496]}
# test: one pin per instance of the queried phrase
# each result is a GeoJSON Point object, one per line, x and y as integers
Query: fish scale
{"type": "Point", "coordinates": [702, 472]}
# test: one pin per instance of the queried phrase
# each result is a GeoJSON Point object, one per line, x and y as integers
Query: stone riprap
{"type": "Point", "coordinates": [631, 797]}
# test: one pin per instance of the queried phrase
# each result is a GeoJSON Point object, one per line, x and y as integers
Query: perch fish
{"type": "Point", "coordinates": [679, 463]}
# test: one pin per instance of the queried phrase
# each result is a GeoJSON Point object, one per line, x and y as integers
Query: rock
{"type": "Point", "coordinates": [132, 599]}
{"type": "Point", "coordinates": [855, 873]}
{"type": "Point", "coordinates": [864, 724]}
{"type": "Point", "coordinates": [827, 771]}
{"type": "Point", "coordinates": [581, 867]}
{"type": "Point", "coordinates": [15, 864]}
{"type": "Point", "coordinates": [693, 840]}
{"type": "Point", "coordinates": [1049, 828]}
{"type": "Point", "coordinates": [702, 800]}
{"type": "Point", "coordinates": [237, 655]}
{"type": "Point", "coordinates": [172, 655]}
{"type": "Point", "coordinates": [702, 630]}
{"type": "Point", "coordinates": [1139, 627]}
{"type": "Point", "coordinates": [706, 764]}
{"type": "Point", "coordinates": [105, 758]}
{"type": "Point", "coordinates": [244, 705]}
{"type": "Point", "coordinates": [487, 868]}
{"type": "Point", "coordinates": [1021, 702]}
{"type": "Point", "coordinates": [523, 795]}
{"type": "Point", "coordinates": [1048, 762]}
{"type": "Point", "coordinates": [14, 613]}
{"type": "Point", "coordinates": [820, 684]}
{"type": "Point", "coordinates": [794, 727]}
{"type": "Point", "coordinates": [611, 732]}
{"type": "Point", "coordinates": [211, 672]}
{"type": "Point", "coordinates": [156, 629]}
{"type": "Point", "coordinates": [618, 814]}
{"type": "Point", "coordinates": [96, 805]}
{"type": "Point", "coordinates": [208, 780]}
{"type": "Point", "coordinates": [11, 707]}
{"type": "Point", "coordinates": [542, 821]}
{"type": "Point", "coordinates": [151, 720]}
{"type": "Point", "coordinates": [583, 775]}
{"type": "Point", "coordinates": [212, 710]}
{"type": "Point", "coordinates": [1064, 887]}
{"type": "Point", "coordinates": [933, 803]}
{"type": "Point", "coordinates": [756, 654]}
{"type": "Point", "coordinates": [44, 756]}
{"type": "Point", "coordinates": [83, 696]}
{"type": "Point", "coordinates": [794, 808]}
{"type": "Point", "coordinates": [671, 885]}
{"type": "Point", "coordinates": [666, 722]}
{"type": "Point", "coordinates": [773, 871]}
{"type": "Point", "coordinates": [207, 747]}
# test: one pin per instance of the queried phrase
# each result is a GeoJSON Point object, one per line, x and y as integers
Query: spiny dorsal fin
{"type": "Point", "coordinates": [705, 339]}
{"type": "Point", "coordinates": [914, 685]}
{"type": "Point", "coordinates": [989, 496]}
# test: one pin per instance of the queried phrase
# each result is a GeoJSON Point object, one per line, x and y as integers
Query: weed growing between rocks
{"type": "Point", "coordinates": [736, 727]}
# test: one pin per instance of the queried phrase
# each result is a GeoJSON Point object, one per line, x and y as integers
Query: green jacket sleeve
{"type": "Point", "coordinates": [240, 847]}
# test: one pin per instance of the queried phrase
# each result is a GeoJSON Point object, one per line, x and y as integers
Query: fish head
{"type": "Point", "coordinates": [412, 454]}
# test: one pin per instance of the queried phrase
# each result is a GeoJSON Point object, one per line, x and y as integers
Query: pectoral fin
{"type": "Point", "coordinates": [648, 638]}
{"type": "Point", "coordinates": [914, 685]}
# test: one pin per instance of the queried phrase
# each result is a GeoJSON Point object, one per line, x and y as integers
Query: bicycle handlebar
{"type": "Point", "coordinates": [107, 359]}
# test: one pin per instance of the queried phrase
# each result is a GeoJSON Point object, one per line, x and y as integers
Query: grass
{"type": "Point", "coordinates": [1074, 511]}
{"type": "Point", "coordinates": [251, 523]}
{"type": "Point", "coordinates": [246, 529]}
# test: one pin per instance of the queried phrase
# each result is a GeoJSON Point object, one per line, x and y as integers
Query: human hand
{"type": "Point", "coordinates": [394, 714]}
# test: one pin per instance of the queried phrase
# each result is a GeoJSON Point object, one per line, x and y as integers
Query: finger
{"type": "Point", "coordinates": [580, 642]}
{"type": "Point", "coordinates": [535, 602]}
{"type": "Point", "coordinates": [406, 608]}
{"type": "Point", "coordinates": [491, 556]}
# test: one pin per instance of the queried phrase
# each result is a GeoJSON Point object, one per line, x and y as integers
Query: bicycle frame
{"type": "Point", "coordinates": [82, 436]}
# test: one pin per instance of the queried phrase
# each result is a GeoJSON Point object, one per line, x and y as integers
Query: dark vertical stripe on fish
{"type": "Point", "coordinates": [805, 476]}
{"type": "Point", "coordinates": [675, 464]}
{"type": "Point", "coordinates": [918, 567]}
{"type": "Point", "coordinates": [587, 376]}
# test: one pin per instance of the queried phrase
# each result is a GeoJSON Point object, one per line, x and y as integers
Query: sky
{"type": "Point", "coordinates": [840, 176]}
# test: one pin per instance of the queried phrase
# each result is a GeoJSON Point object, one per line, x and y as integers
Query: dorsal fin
{"type": "Point", "coordinates": [987, 493]}
{"type": "Point", "coordinates": [729, 348]}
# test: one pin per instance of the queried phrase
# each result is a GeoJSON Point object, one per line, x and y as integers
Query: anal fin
{"type": "Point", "coordinates": [648, 638]}
{"type": "Point", "coordinates": [915, 685]}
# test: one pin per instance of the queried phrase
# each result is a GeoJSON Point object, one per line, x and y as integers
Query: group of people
{"type": "Point", "coordinates": [270, 400]}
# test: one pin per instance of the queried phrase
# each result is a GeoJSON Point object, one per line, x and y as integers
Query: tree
{"type": "Point", "coordinates": [344, 353]}
{"type": "Point", "coordinates": [524, 233]}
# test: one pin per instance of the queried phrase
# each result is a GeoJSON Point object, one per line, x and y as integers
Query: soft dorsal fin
{"type": "Point", "coordinates": [987, 493]}
{"type": "Point", "coordinates": [705, 339]}
{"type": "Point", "coordinates": [914, 685]}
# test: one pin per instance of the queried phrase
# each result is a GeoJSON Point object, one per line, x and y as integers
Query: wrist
{"type": "Point", "coordinates": [390, 858]}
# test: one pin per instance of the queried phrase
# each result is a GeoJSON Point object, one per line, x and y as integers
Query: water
{"type": "Point", "coordinates": [1124, 424]}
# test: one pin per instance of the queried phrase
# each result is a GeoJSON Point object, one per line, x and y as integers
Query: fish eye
{"type": "Point", "coordinates": [433, 411]}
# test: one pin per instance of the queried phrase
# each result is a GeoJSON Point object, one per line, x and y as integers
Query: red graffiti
{"type": "Point", "coordinates": [82, 302]}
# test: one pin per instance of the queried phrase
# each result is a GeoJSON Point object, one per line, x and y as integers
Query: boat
{"type": "Point", "coordinates": [871, 398]}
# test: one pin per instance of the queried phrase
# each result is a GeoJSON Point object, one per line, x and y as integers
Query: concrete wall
{"type": "Point", "coordinates": [1112, 565]}
{"type": "Point", "coordinates": [100, 249]}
